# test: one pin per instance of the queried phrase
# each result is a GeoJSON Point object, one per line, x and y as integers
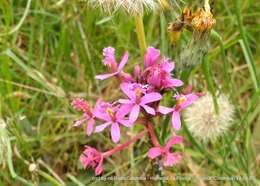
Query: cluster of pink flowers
{"type": "Point", "coordinates": [143, 92]}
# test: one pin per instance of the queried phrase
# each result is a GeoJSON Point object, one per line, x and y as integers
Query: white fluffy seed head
{"type": "Point", "coordinates": [132, 7]}
{"type": "Point", "coordinates": [202, 120]}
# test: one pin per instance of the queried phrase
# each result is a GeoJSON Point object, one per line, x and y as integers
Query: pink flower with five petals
{"type": "Point", "coordinates": [169, 158]}
{"type": "Point", "coordinates": [183, 101]}
{"type": "Point", "coordinates": [138, 98]}
{"type": "Point", "coordinates": [114, 116]}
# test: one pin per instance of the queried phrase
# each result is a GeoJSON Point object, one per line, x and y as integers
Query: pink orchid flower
{"type": "Point", "coordinates": [159, 75]}
{"type": "Point", "coordinates": [138, 98]}
{"type": "Point", "coordinates": [91, 158]}
{"type": "Point", "coordinates": [158, 71]}
{"type": "Point", "coordinates": [151, 57]}
{"type": "Point", "coordinates": [183, 101]}
{"type": "Point", "coordinates": [169, 158]}
{"type": "Point", "coordinates": [113, 116]}
{"type": "Point", "coordinates": [81, 105]}
{"type": "Point", "coordinates": [110, 60]}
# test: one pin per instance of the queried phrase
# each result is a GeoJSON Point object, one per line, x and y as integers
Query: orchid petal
{"type": "Point", "coordinates": [165, 110]}
{"type": "Point", "coordinates": [105, 76]}
{"type": "Point", "coordinates": [171, 159]}
{"type": "Point", "coordinates": [126, 123]}
{"type": "Point", "coordinates": [115, 132]}
{"type": "Point", "coordinates": [123, 110]}
{"type": "Point", "coordinates": [101, 127]}
{"type": "Point", "coordinates": [125, 101]}
{"type": "Point", "coordinates": [134, 113]}
{"type": "Point", "coordinates": [174, 140]}
{"type": "Point", "coordinates": [155, 152]}
{"type": "Point", "coordinates": [172, 82]}
{"type": "Point", "coordinates": [101, 115]}
{"type": "Point", "coordinates": [151, 97]}
{"type": "Point", "coordinates": [125, 87]}
{"type": "Point", "coordinates": [90, 126]}
{"type": "Point", "coordinates": [176, 121]}
{"type": "Point", "coordinates": [167, 65]}
{"type": "Point", "coordinates": [148, 109]}
{"type": "Point", "coordinates": [123, 62]}
{"type": "Point", "coordinates": [190, 98]}
{"type": "Point", "coordinates": [151, 57]}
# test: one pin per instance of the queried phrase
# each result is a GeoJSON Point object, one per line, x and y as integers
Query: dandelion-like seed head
{"type": "Point", "coordinates": [202, 120]}
{"type": "Point", "coordinates": [132, 7]}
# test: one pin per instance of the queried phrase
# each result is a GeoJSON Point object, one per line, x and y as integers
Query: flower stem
{"type": "Point", "coordinates": [140, 33]}
{"type": "Point", "coordinates": [152, 134]}
{"type": "Point", "coordinates": [122, 146]}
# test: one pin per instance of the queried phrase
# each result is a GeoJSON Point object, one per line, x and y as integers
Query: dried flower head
{"type": "Point", "coordinates": [204, 122]}
{"type": "Point", "coordinates": [132, 7]}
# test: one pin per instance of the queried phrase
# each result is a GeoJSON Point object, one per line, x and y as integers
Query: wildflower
{"type": "Point", "coordinates": [113, 116]}
{"type": "Point", "coordinates": [132, 7]}
{"type": "Point", "coordinates": [91, 158]}
{"type": "Point", "coordinates": [88, 117]}
{"type": "Point", "coordinates": [158, 71]}
{"type": "Point", "coordinates": [138, 99]}
{"type": "Point", "coordinates": [110, 61]}
{"type": "Point", "coordinates": [151, 57]}
{"type": "Point", "coordinates": [169, 158]}
{"type": "Point", "coordinates": [204, 122]}
{"type": "Point", "coordinates": [183, 101]}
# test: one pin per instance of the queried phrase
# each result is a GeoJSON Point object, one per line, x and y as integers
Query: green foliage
{"type": "Point", "coordinates": [50, 52]}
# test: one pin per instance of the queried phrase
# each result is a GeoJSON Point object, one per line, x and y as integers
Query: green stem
{"type": "Point", "coordinates": [210, 82]}
{"type": "Point", "coordinates": [140, 33]}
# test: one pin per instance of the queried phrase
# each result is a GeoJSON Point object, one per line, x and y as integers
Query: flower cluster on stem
{"type": "Point", "coordinates": [143, 91]}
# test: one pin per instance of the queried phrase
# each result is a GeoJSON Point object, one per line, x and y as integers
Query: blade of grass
{"type": "Point", "coordinates": [245, 46]}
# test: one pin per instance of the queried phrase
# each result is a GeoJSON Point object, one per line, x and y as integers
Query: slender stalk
{"type": "Point", "coordinates": [140, 33]}
{"type": "Point", "coordinates": [122, 146]}
{"type": "Point", "coordinates": [152, 134]}
{"type": "Point", "coordinates": [210, 82]}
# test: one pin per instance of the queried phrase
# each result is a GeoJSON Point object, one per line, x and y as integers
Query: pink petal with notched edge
{"type": "Point", "coordinates": [90, 126]}
{"type": "Point", "coordinates": [151, 97]}
{"type": "Point", "coordinates": [148, 109]}
{"type": "Point", "coordinates": [155, 152]}
{"type": "Point", "coordinates": [134, 113]}
{"type": "Point", "coordinates": [123, 62]}
{"type": "Point", "coordinates": [171, 159]}
{"type": "Point", "coordinates": [105, 76]}
{"type": "Point", "coordinates": [176, 120]}
{"type": "Point", "coordinates": [101, 127]}
{"type": "Point", "coordinates": [115, 132]}
{"type": "Point", "coordinates": [165, 110]}
{"type": "Point", "coordinates": [174, 140]}
{"type": "Point", "coordinates": [125, 87]}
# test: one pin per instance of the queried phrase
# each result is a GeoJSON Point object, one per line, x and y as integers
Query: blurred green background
{"type": "Point", "coordinates": [50, 52]}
